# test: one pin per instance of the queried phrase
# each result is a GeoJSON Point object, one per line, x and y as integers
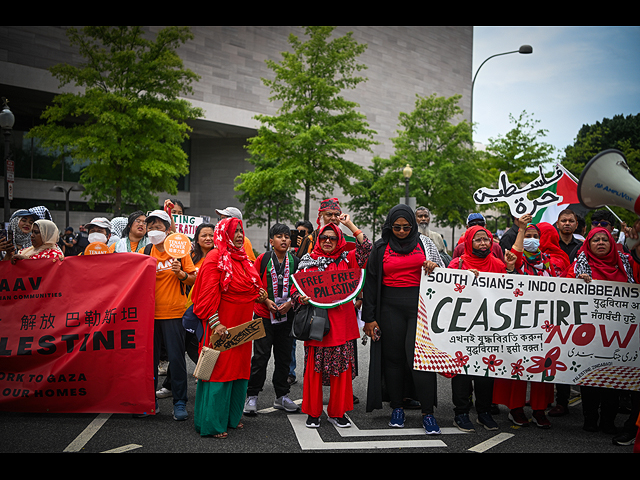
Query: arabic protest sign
{"type": "Point", "coordinates": [541, 329]}
{"type": "Point", "coordinates": [516, 197]}
{"type": "Point", "coordinates": [331, 288]}
{"type": "Point", "coordinates": [186, 224]}
{"type": "Point", "coordinates": [75, 340]}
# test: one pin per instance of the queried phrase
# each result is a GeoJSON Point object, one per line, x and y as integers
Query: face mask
{"type": "Point", "coordinates": [531, 245]}
{"type": "Point", "coordinates": [156, 236]}
{"type": "Point", "coordinates": [97, 237]}
{"type": "Point", "coordinates": [481, 253]}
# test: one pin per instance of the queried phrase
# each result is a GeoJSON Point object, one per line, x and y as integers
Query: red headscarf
{"type": "Point", "coordinates": [223, 240]}
{"type": "Point", "coordinates": [550, 244]}
{"type": "Point", "coordinates": [488, 264]}
{"type": "Point", "coordinates": [341, 246]}
{"type": "Point", "coordinates": [610, 267]}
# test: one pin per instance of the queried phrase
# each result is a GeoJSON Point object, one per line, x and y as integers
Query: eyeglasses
{"type": "Point", "coordinates": [482, 240]}
{"type": "Point", "coordinates": [331, 214]}
{"type": "Point", "coordinates": [602, 223]}
{"type": "Point", "coordinates": [403, 228]}
{"type": "Point", "coordinates": [327, 237]}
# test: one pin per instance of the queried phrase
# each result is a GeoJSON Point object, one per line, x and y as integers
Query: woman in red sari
{"type": "Point", "coordinates": [226, 288]}
{"type": "Point", "coordinates": [331, 361]}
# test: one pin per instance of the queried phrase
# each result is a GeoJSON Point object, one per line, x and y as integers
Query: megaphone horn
{"type": "Point", "coordinates": [607, 180]}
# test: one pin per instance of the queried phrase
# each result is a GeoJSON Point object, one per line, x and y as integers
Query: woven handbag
{"type": "Point", "coordinates": [206, 362]}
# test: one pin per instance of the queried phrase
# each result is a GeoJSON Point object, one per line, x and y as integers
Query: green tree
{"type": "Point", "coordinates": [129, 123]}
{"type": "Point", "coordinates": [365, 205]}
{"type": "Point", "coordinates": [315, 125]}
{"type": "Point", "coordinates": [446, 168]}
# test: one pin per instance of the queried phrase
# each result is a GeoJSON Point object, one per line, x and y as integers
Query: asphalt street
{"type": "Point", "coordinates": [275, 431]}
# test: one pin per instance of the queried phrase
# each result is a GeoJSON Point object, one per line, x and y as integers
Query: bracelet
{"type": "Point", "coordinates": [357, 232]}
{"type": "Point", "coordinates": [186, 275]}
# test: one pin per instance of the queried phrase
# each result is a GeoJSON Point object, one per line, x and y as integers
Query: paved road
{"type": "Point", "coordinates": [279, 432]}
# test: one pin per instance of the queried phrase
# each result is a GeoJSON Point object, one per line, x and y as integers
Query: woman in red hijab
{"type": "Point", "coordinates": [477, 257]}
{"type": "Point", "coordinates": [331, 361]}
{"type": "Point", "coordinates": [537, 253]}
{"type": "Point", "coordinates": [599, 259]}
{"type": "Point", "coordinates": [226, 288]}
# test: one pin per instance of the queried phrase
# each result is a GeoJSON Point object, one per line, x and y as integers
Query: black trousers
{"type": "Point", "coordinates": [279, 339]}
{"type": "Point", "coordinates": [463, 385]}
{"type": "Point", "coordinates": [398, 323]}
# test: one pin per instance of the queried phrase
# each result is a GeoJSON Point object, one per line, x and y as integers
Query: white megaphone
{"type": "Point", "coordinates": [607, 181]}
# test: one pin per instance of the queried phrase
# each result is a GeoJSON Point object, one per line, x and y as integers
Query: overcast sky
{"type": "Point", "coordinates": [575, 76]}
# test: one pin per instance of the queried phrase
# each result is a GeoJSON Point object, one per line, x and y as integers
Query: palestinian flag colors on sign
{"type": "Point", "coordinates": [567, 188]}
{"type": "Point", "coordinates": [331, 288]}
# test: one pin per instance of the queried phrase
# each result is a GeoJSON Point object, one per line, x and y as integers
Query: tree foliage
{"type": "Point", "coordinates": [621, 133]}
{"type": "Point", "coordinates": [446, 168]}
{"type": "Point", "coordinates": [305, 143]}
{"type": "Point", "coordinates": [366, 205]}
{"type": "Point", "coordinates": [128, 125]}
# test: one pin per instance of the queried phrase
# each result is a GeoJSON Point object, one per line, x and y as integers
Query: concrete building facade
{"type": "Point", "coordinates": [401, 61]}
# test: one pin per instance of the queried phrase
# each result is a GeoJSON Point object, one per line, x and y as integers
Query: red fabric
{"type": "Point", "coordinates": [513, 393]}
{"type": "Point", "coordinates": [341, 391]}
{"type": "Point", "coordinates": [402, 270]}
{"type": "Point", "coordinates": [223, 239]}
{"type": "Point", "coordinates": [234, 307]}
{"type": "Point", "coordinates": [609, 267]}
{"type": "Point", "coordinates": [550, 244]}
{"type": "Point", "coordinates": [470, 261]}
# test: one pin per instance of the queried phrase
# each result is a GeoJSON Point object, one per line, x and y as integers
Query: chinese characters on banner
{"type": "Point", "coordinates": [522, 327]}
{"type": "Point", "coordinates": [77, 335]}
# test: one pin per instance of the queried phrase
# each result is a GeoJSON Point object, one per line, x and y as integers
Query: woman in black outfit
{"type": "Point", "coordinates": [390, 309]}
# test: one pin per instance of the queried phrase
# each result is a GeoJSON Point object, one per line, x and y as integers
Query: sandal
{"type": "Point", "coordinates": [222, 435]}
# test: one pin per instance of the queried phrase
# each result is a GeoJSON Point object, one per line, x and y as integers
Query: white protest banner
{"type": "Point", "coordinates": [186, 224]}
{"type": "Point", "coordinates": [540, 329]}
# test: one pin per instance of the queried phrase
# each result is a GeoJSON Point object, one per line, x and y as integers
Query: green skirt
{"type": "Point", "coordinates": [219, 405]}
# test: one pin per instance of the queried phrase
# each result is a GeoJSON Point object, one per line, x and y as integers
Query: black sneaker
{"type": "Point", "coordinates": [312, 422]}
{"type": "Point", "coordinates": [342, 422]}
{"type": "Point", "coordinates": [625, 438]}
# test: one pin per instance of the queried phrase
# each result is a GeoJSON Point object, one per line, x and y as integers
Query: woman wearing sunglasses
{"type": "Point", "coordinates": [331, 361]}
{"type": "Point", "coordinates": [390, 312]}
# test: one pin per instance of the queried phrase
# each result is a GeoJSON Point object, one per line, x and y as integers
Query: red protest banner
{"type": "Point", "coordinates": [77, 335]}
{"type": "Point", "coordinates": [330, 288]}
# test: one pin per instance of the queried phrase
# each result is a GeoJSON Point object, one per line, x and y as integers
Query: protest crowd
{"type": "Point", "coordinates": [222, 284]}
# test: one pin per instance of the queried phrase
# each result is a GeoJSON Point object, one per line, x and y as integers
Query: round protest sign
{"type": "Point", "coordinates": [177, 245]}
{"type": "Point", "coordinates": [331, 288]}
{"type": "Point", "coordinates": [96, 248]}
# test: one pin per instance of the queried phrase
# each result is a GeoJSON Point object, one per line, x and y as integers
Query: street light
{"type": "Point", "coordinates": [6, 123]}
{"type": "Point", "coordinates": [406, 172]}
{"type": "Point", "coordinates": [524, 49]}
{"type": "Point", "coordinates": [67, 192]}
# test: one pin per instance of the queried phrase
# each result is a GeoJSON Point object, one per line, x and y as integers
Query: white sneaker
{"type": "Point", "coordinates": [251, 406]}
{"type": "Point", "coordinates": [163, 393]}
{"type": "Point", "coordinates": [285, 403]}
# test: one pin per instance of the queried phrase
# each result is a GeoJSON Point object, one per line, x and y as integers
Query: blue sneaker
{"type": "Point", "coordinates": [430, 425]}
{"type": "Point", "coordinates": [397, 418]}
{"type": "Point", "coordinates": [463, 423]}
{"type": "Point", "coordinates": [180, 411]}
{"type": "Point", "coordinates": [487, 421]}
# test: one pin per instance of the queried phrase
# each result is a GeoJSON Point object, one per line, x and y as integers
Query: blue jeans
{"type": "Point", "coordinates": [173, 334]}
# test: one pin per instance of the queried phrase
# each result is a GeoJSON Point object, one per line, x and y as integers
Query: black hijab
{"type": "Point", "coordinates": [408, 244]}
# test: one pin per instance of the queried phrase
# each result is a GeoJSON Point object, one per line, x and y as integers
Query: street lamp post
{"type": "Point", "coordinates": [6, 123]}
{"type": "Point", "coordinates": [67, 192]}
{"type": "Point", "coordinates": [524, 49]}
{"type": "Point", "coordinates": [406, 172]}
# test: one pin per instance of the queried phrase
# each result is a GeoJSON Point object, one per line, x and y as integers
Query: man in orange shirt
{"type": "Point", "coordinates": [172, 277]}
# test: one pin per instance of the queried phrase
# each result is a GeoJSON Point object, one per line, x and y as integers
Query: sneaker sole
{"type": "Point", "coordinates": [462, 429]}
{"type": "Point", "coordinates": [280, 407]}
{"type": "Point", "coordinates": [339, 425]}
{"type": "Point", "coordinates": [395, 425]}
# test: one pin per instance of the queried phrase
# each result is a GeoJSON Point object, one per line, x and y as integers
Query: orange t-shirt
{"type": "Point", "coordinates": [170, 299]}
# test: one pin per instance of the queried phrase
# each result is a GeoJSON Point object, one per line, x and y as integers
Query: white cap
{"type": "Point", "coordinates": [230, 212]}
{"type": "Point", "coordinates": [160, 214]}
{"type": "Point", "coordinates": [99, 222]}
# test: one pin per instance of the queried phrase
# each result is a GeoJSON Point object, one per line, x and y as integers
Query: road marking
{"type": "Point", "coordinates": [82, 439]}
{"type": "Point", "coordinates": [124, 448]}
{"type": "Point", "coordinates": [492, 442]}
